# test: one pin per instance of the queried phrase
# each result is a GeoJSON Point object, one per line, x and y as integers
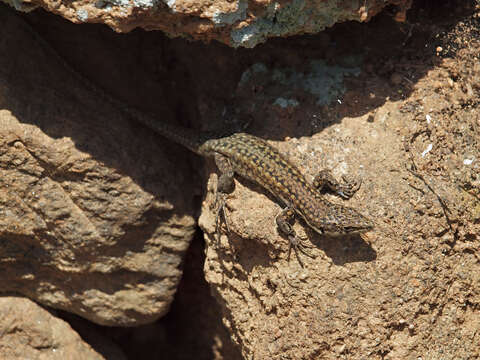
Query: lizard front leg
{"type": "Point", "coordinates": [325, 181]}
{"type": "Point", "coordinates": [225, 186]}
{"type": "Point", "coordinates": [284, 222]}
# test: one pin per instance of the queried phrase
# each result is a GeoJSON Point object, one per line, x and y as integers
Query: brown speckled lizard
{"type": "Point", "coordinates": [254, 159]}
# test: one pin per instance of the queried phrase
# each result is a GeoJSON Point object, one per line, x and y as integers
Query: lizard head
{"type": "Point", "coordinates": [340, 220]}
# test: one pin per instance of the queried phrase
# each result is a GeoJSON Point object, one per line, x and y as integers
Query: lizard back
{"type": "Point", "coordinates": [254, 159]}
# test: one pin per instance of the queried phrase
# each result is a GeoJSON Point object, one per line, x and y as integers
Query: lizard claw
{"type": "Point", "coordinates": [221, 213]}
{"type": "Point", "coordinates": [296, 242]}
{"type": "Point", "coordinates": [349, 187]}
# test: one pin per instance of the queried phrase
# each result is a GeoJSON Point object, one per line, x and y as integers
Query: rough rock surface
{"type": "Point", "coordinates": [90, 222]}
{"type": "Point", "coordinates": [410, 289]}
{"type": "Point", "coordinates": [192, 329]}
{"type": "Point", "coordinates": [30, 332]}
{"type": "Point", "coordinates": [235, 23]}
{"type": "Point", "coordinates": [396, 104]}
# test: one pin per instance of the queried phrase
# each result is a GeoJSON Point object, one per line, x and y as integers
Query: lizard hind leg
{"type": "Point", "coordinates": [221, 213]}
{"type": "Point", "coordinates": [284, 222]}
{"type": "Point", "coordinates": [225, 186]}
{"type": "Point", "coordinates": [346, 189]}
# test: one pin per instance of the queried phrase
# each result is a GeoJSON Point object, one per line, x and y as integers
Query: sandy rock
{"type": "Point", "coordinates": [393, 291]}
{"type": "Point", "coordinates": [235, 23]}
{"type": "Point", "coordinates": [410, 289]}
{"type": "Point", "coordinates": [90, 222]}
{"type": "Point", "coordinates": [30, 332]}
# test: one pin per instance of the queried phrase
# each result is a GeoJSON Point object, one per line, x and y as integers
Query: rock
{"type": "Point", "coordinates": [402, 290]}
{"type": "Point", "coordinates": [90, 221]}
{"type": "Point", "coordinates": [279, 309]}
{"type": "Point", "coordinates": [30, 332]}
{"type": "Point", "coordinates": [236, 23]}
{"type": "Point", "coordinates": [408, 289]}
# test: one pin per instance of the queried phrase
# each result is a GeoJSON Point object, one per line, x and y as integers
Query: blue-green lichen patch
{"type": "Point", "coordinates": [324, 82]}
{"type": "Point", "coordinates": [82, 15]}
{"type": "Point", "coordinates": [171, 4]}
{"type": "Point", "coordinates": [228, 18]}
{"type": "Point", "coordinates": [107, 4]}
{"type": "Point", "coordinates": [286, 103]}
{"type": "Point", "coordinates": [145, 4]}
{"type": "Point", "coordinates": [296, 17]}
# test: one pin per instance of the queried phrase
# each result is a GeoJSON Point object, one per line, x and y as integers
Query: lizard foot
{"type": "Point", "coordinates": [325, 181]}
{"type": "Point", "coordinates": [297, 243]}
{"type": "Point", "coordinates": [221, 213]}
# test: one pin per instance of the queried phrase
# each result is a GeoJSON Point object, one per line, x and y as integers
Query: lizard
{"type": "Point", "coordinates": [256, 160]}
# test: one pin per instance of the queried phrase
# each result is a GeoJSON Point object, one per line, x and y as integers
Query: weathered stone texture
{"type": "Point", "coordinates": [235, 23]}
{"type": "Point", "coordinates": [87, 223]}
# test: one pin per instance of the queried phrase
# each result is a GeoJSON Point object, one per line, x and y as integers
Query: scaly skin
{"type": "Point", "coordinates": [254, 159]}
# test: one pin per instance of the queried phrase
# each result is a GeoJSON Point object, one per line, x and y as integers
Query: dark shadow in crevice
{"type": "Point", "coordinates": [192, 329]}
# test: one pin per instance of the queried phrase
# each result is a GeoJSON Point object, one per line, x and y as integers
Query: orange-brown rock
{"type": "Point", "coordinates": [239, 23]}
{"type": "Point", "coordinates": [31, 332]}
{"type": "Point", "coordinates": [90, 222]}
